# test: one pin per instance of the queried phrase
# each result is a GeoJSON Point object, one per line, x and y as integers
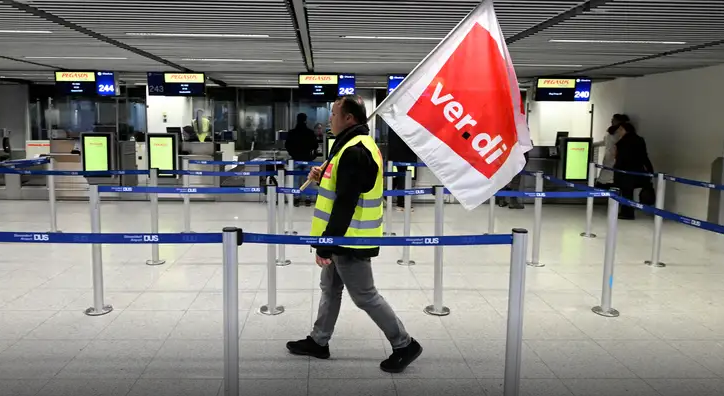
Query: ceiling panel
{"type": "Point", "coordinates": [213, 36]}
{"type": "Point", "coordinates": [254, 43]}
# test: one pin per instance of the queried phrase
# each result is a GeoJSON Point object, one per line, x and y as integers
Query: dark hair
{"type": "Point", "coordinates": [628, 127]}
{"type": "Point", "coordinates": [354, 106]}
{"type": "Point", "coordinates": [301, 118]}
{"type": "Point", "coordinates": [621, 118]}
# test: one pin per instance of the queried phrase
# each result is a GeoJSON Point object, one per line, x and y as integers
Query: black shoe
{"type": "Point", "coordinates": [296, 203]}
{"type": "Point", "coordinates": [516, 206]}
{"type": "Point", "coordinates": [308, 347]}
{"type": "Point", "coordinates": [308, 203]}
{"type": "Point", "coordinates": [401, 358]}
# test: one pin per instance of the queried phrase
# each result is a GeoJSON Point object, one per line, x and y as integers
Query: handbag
{"type": "Point", "coordinates": [647, 196]}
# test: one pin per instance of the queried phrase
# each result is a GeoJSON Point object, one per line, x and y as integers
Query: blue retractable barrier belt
{"type": "Point", "coordinates": [308, 163]}
{"type": "Point", "coordinates": [415, 164]}
{"type": "Point", "coordinates": [296, 191]}
{"type": "Point", "coordinates": [495, 239]}
{"type": "Point", "coordinates": [180, 190]}
{"type": "Point", "coordinates": [562, 194]}
{"type": "Point", "coordinates": [695, 183]}
{"type": "Point", "coordinates": [568, 184]}
{"type": "Point", "coordinates": [704, 225]}
{"type": "Point", "coordinates": [625, 172]}
{"type": "Point", "coordinates": [211, 173]}
{"type": "Point", "coordinates": [140, 238]}
{"type": "Point", "coordinates": [74, 173]}
{"type": "Point", "coordinates": [412, 191]}
{"type": "Point", "coordinates": [204, 162]}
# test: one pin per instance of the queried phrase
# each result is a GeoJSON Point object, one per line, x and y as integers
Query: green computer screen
{"type": "Point", "coordinates": [96, 153]}
{"type": "Point", "coordinates": [577, 156]}
{"type": "Point", "coordinates": [162, 153]}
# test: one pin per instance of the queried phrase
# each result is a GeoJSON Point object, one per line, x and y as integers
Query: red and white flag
{"type": "Point", "coordinates": [460, 110]}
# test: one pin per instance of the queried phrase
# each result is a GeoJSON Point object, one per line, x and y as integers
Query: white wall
{"type": "Point", "coordinates": [15, 113]}
{"type": "Point", "coordinates": [681, 117]}
{"type": "Point", "coordinates": [608, 98]}
{"type": "Point", "coordinates": [545, 119]}
{"type": "Point", "coordinates": [368, 96]}
{"type": "Point", "coordinates": [178, 110]}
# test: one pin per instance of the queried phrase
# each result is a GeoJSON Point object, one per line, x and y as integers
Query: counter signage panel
{"type": "Point", "coordinates": [563, 90]}
{"type": "Point", "coordinates": [393, 81]}
{"type": "Point", "coordinates": [321, 87]}
{"type": "Point", "coordinates": [176, 84]}
{"type": "Point", "coordinates": [577, 157]}
{"type": "Point", "coordinates": [346, 84]}
{"type": "Point", "coordinates": [86, 83]}
{"type": "Point", "coordinates": [96, 152]}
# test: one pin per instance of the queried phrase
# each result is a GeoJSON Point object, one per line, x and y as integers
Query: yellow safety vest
{"type": "Point", "coordinates": [367, 219]}
{"type": "Point", "coordinates": [205, 128]}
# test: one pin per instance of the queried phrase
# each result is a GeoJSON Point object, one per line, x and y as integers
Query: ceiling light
{"type": "Point", "coordinates": [26, 31]}
{"type": "Point", "coordinates": [540, 65]}
{"type": "Point", "coordinates": [77, 57]}
{"type": "Point", "coordinates": [391, 38]}
{"type": "Point", "coordinates": [232, 60]}
{"type": "Point", "coordinates": [617, 41]}
{"type": "Point", "coordinates": [208, 35]}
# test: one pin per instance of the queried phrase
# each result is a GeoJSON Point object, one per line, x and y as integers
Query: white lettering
{"type": "Point", "coordinates": [453, 111]}
{"type": "Point", "coordinates": [489, 144]}
{"type": "Point", "coordinates": [436, 99]}
{"type": "Point", "coordinates": [467, 120]}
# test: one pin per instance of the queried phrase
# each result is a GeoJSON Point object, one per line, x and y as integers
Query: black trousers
{"type": "Point", "coordinates": [628, 193]}
{"type": "Point", "coordinates": [398, 183]}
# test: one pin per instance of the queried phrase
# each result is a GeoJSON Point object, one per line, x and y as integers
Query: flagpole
{"type": "Point", "coordinates": [443, 41]}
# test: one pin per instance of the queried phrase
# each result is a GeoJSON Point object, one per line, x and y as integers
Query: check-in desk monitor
{"type": "Point", "coordinates": [576, 156]}
{"type": "Point", "coordinates": [162, 152]}
{"type": "Point", "coordinates": [97, 151]}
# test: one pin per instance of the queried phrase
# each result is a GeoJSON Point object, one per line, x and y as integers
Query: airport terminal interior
{"type": "Point", "coordinates": [158, 121]}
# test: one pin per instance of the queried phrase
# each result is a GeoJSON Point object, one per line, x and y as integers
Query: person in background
{"type": "Point", "coordinates": [632, 156]}
{"type": "Point", "coordinates": [514, 185]}
{"type": "Point", "coordinates": [350, 205]}
{"type": "Point", "coordinates": [201, 125]}
{"type": "Point", "coordinates": [398, 151]}
{"type": "Point", "coordinates": [301, 145]}
{"type": "Point", "coordinates": [319, 132]}
{"type": "Point", "coordinates": [615, 131]}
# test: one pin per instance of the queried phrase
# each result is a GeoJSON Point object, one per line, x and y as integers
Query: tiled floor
{"type": "Point", "coordinates": [164, 335]}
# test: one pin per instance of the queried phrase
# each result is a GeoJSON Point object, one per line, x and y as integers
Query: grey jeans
{"type": "Point", "coordinates": [356, 275]}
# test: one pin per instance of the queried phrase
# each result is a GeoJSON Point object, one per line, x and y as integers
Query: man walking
{"type": "Point", "coordinates": [350, 204]}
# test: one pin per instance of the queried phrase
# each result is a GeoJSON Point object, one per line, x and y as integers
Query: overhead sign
{"type": "Point", "coordinates": [176, 84]}
{"type": "Point", "coordinates": [324, 79]}
{"type": "Point", "coordinates": [184, 78]}
{"type": "Point", "coordinates": [563, 90]}
{"type": "Point", "coordinates": [86, 83]}
{"type": "Point", "coordinates": [557, 83]}
{"type": "Point", "coordinates": [393, 81]}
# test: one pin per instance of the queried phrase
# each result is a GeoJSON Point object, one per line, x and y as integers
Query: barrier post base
{"type": "Point", "coordinates": [92, 311]}
{"type": "Point", "coordinates": [658, 265]}
{"type": "Point", "coordinates": [535, 264]}
{"type": "Point", "coordinates": [404, 263]}
{"type": "Point", "coordinates": [283, 263]}
{"type": "Point", "coordinates": [587, 235]}
{"type": "Point", "coordinates": [430, 310]}
{"type": "Point", "coordinates": [155, 262]}
{"type": "Point", "coordinates": [264, 310]}
{"type": "Point", "coordinates": [610, 313]}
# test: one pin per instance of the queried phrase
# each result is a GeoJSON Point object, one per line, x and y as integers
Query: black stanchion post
{"type": "Point", "coordinates": [605, 308]}
{"type": "Point", "coordinates": [437, 309]}
{"type": "Point", "coordinates": [232, 239]}
{"type": "Point", "coordinates": [516, 298]}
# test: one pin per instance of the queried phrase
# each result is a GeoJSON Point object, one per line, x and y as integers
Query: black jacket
{"type": "Point", "coordinates": [632, 156]}
{"type": "Point", "coordinates": [356, 174]}
{"type": "Point", "coordinates": [302, 143]}
{"type": "Point", "coordinates": [398, 150]}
